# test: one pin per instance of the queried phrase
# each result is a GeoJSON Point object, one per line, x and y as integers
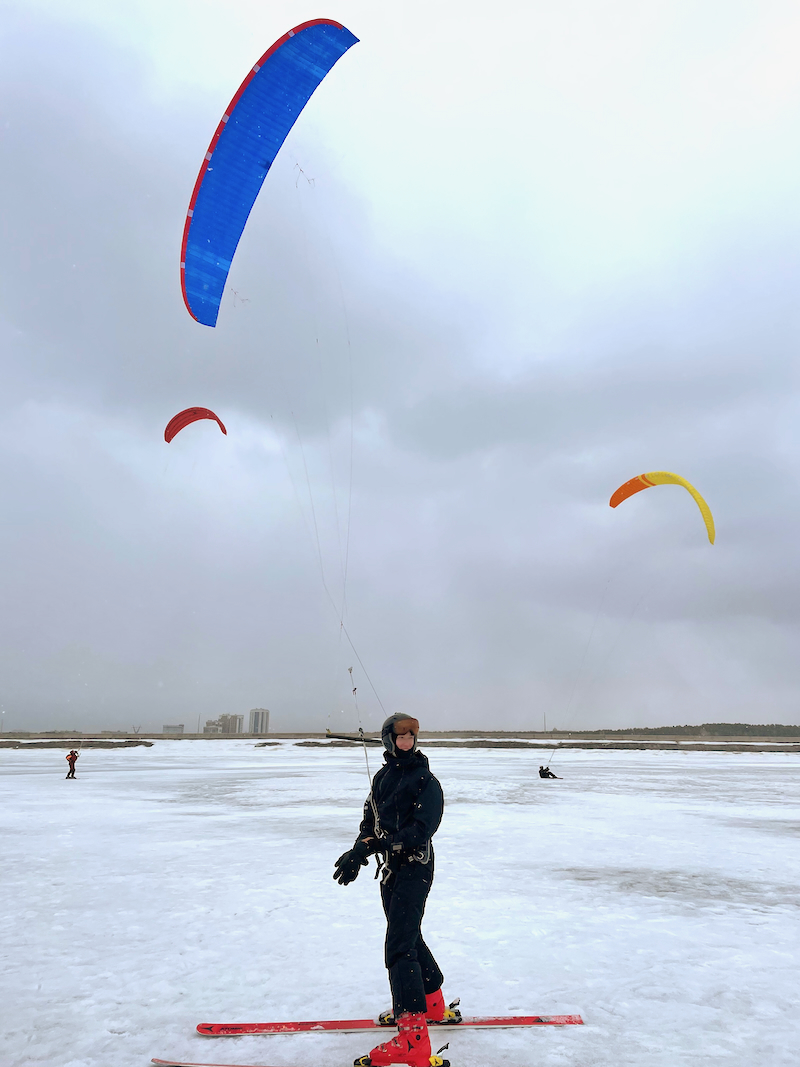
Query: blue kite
{"type": "Point", "coordinates": [247, 140]}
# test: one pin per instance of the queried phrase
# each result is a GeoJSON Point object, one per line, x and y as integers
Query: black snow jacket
{"type": "Point", "coordinates": [409, 804]}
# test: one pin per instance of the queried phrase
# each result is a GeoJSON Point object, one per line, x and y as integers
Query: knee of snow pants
{"type": "Point", "coordinates": [404, 897]}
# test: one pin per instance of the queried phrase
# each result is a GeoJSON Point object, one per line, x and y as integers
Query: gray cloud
{"type": "Point", "coordinates": [488, 581]}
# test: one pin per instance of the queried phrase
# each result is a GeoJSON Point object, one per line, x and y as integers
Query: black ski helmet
{"type": "Point", "coordinates": [388, 731]}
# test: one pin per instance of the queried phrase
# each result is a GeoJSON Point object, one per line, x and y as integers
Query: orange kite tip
{"type": "Point", "coordinates": [634, 485]}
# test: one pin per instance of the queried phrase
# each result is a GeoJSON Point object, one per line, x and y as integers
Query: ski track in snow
{"type": "Point", "coordinates": [654, 893]}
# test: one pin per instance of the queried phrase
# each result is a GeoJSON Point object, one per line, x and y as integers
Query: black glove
{"type": "Point", "coordinates": [350, 863]}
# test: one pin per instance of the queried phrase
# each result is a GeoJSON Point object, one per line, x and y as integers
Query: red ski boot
{"type": "Point", "coordinates": [411, 1046]}
{"type": "Point", "coordinates": [436, 1011]}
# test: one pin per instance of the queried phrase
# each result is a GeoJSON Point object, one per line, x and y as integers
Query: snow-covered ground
{"type": "Point", "coordinates": [655, 893]}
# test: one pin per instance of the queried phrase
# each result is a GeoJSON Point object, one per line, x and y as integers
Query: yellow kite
{"type": "Point", "coordinates": [644, 481]}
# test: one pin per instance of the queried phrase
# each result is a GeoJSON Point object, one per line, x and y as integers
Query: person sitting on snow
{"type": "Point", "coordinates": [545, 772]}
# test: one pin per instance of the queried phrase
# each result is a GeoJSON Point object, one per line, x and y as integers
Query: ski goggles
{"type": "Point", "coordinates": [406, 726]}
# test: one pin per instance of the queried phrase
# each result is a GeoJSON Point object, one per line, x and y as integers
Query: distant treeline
{"type": "Point", "coordinates": [713, 729]}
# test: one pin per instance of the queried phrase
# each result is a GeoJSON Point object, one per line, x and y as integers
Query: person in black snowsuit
{"type": "Point", "coordinates": [401, 815]}
{"type": "Point", "coordinates": [545, 772]}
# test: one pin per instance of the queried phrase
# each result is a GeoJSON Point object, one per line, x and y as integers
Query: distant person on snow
{"type": "Point", "coordinates": [545, 772]}
{"type": "Point", "coordinates": [72, 755]}
{"type": "Point", "coordinates": [401, 815]}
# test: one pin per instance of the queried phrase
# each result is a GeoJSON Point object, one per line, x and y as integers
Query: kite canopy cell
{"type": "Point", "coordinates": [183, 418]}
{"type": "Point", "coordinates": [245, 144]}
{"type": "Point", "coordinates": [645, 481]}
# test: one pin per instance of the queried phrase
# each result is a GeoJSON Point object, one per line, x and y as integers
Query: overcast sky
{"type": "Point", "coordinates": [518, 253]}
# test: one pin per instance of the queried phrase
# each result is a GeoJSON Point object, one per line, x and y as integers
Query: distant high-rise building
{"type": "Point", "coordinates": [259, 721]}
{"type": "Point", "coordinates": [225, 724]}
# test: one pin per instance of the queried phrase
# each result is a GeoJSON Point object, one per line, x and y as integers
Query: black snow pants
{"type": "Point", "coordinates": [413, 971]}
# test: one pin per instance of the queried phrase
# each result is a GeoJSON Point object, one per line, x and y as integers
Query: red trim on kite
{"type": "Point", "coordinates": [217, 133]}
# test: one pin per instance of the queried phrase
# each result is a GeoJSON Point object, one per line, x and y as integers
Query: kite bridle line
{"type": "Point", "coordinates": [360, 727]}
{"type": "Point", "coordinates": [344, 558]}
{"type": "Point", "coordinates": [332, 601]}
{"type": "Point", "coordinates": [382, 869]}
{"type": "Point", "coordinates": [313, 528]}
{"type": "Point", "coordinates": [334, 260]}
{"type": "Point", "coordinates": [316, 541]}
{"type": "Point", "coordinates": [310, 183]}
{"type": "Point", "coordinates": [314, 536]}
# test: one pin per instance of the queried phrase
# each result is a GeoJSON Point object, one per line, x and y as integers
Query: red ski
{"type": "Point", "coordinates": [349, 1026]}
{"type": "Point", "coordinates": [183, 1063]}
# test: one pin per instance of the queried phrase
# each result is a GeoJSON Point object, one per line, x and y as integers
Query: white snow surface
{"type": "Point", "coordinates": [654, 893]}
